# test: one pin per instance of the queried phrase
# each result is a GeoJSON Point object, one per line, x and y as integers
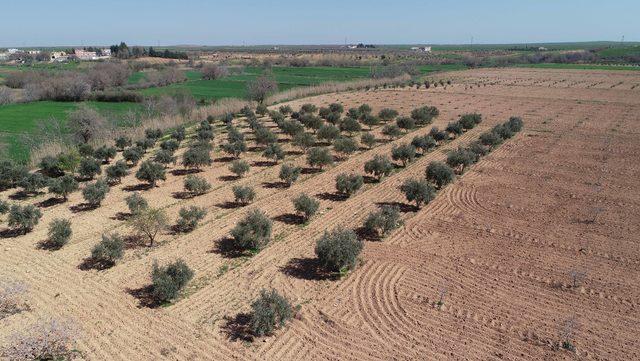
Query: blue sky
{"type": "Point", "coordinates": [234, 22]}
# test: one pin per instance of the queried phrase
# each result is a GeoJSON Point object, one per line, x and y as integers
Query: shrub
{"type": "Point", "coordinates": [391, 130]}
{"type": "Point", "coordinates": [196, 157]}
{"type": "Point", "coordinates": [305, 206]}
{"type": "Point", "coordinates": [196, 185]}
{"type": "Point", "coordinates": [123, 142]}
{"type": "Point", "coordinates": [44, 340]}
{"type": "Point", "coordinates": [345, 146]}
{"type": "Point", "coordinates": [387, 114]}
{"type": "Point", "coordinates": [338, 250]}
{"type": "Point", "coordinates": [406, 123]}
{"type": "Point", "coordinates": [312, 122]}
{"type": "Point", "coordinates": [167, 281]}
{"type": "Point", "coordinates": [108, 250]}
{"type": "Point", "coordinates": [145, 144]}
{"type": "Point", "coordinates": [23, 218]}
{"type": "Point", "coordinates": [253, 232]}
{"type": "Point", "coordinates": [383, 221]}
{"type": "Point", "coordinates": [33, 182]}
{"type": "Point", "coordinates": [405, 153]}
{"type": "Point", "coordinates": [461, 157]}
{"type": "Point", "coordinates": [115, 172]}
{"type": "Point", "coordinates": [274, 152]}
{"type": "Point", "coordinates": [503, 131]}
{"type": "Point", "coordinates": [95, 192]}
{"type": "Point", "coordinates": [189, 218]}
{"type": "Point", "coordinates": [469, 121]}
{"type": "Point", "coordinates": [348, 184]}
{"type": "Point", "coordinates": [336, 108]}
{"type": "Point", "coordinates": [243, 194]}
{"type": "Point", "coordinates": [105, 153]}
{"type": "Point", "coordinates": [235, 148]}
{"type": "Point", "coordinates": [63, 186]}
{"type": "Point", "coordinates": [424, 115]}
{"type": "Point", "coordinates": [478, 149]}
{"type": "Point", "coordinates": [292, 127]}
{"type": "Point", "coordinates": [328, 132]}
{"type": "Point", "coordinates": [289, 173]}
{"type": "Point", "coordinates": [136, 203]}
{"type": "Point", "coordinates": [364, 109]}
{"type": "Point", "coordinates": [419, 191]}
{"type": "Point", "coordinates": [370, 120]}
{"type": "Point", "coordinates": [153, 133]}
{"type": "Point", "coordinates": [149, 222]}
{"type": "Point", "coordinates": [308, 108]}
{"type": "Point", "coordinates": [455, 128]}
{"type": "Point", "coordinates": [350, 126]}
{"type": "Point", "coordinates": [353, 113]}
{"type": "Point", "coordinates": [304, 141]}
{"type": "Point", "coordinates": [260, 88]}
{"type": "Point", "coordinates": [11, 298]}
{"type": "Point", "coordinates": [515, 124]}
{"type": "Point", "coordinates": [239, 167]}
{"type": "Point", "coordinates": [439, 174]}
{"type": "Point", "coordinates": [170, 145]}
{"type": "Point", "coordinates": [490, 139]}
{"type": "Point", "coordinates": [319, 157]}
{"type": "Point", "coordinates": [151, 172]}
{"type": "Point", "coordinates": [368, 139]}
{"type": "Point", "coordinates": [269, 312]}
{"type": "Point", "coordinates": [89, 168]}
{"type": "Point", "coordinates": [132, 155]}
{"type": "Point", "coordinates": [164, 157]}
{"type": "Point", "coordinates": [438, 135]}
{"type": "Point", "coordinates": [59, 233]}
{"type": "Point", "coordinates": [264, 136]}
{"type": "Point", "coordinates": [424, 143]}
{"type": "Point", "coordinates": [285, 109]}
{"type": "Point", "coordinates": [380, 166]}
{"type": "Point", "coordinates": [85, 150]}
{"type": "Point", "coordinates": [50, 166]}
{"type": "Point", "coordinates": [179, 134]}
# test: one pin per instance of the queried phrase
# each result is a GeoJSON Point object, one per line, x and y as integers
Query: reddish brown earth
{"type": "Point", "coordinates": [500, 243]}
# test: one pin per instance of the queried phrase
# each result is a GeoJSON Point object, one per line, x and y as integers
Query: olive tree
{"type": "Point", "coordinates": [196, 158]}
{"type": "Point", "coordinates": [239, 167]}
{"type": "Point", "coordinates": [167, 281]}
{"type": "Point", "coordinates": [116, 172]}
{"type": "Point", "coordinates": [461, 158]}
{"type": "Point", "coordinates": [425, 143]}
{"type": "Point", "coordinates": [418, 191]}
{"type": "Point", "coordinates": [319, 157]}
{"type": "Point", "coordinates": [439, 174]}
{"type": "Point", "coordinates": [269, 312]}
{"type": "Point", "coordinates": [348, 184]}
{"type": "Point", "coordinates": [305, 206]}
{"type": "Point", "coordinates": [196, 185]}
{"type": "Point", "coordinates": [89, 168]}
{"type": "Point", "coordinates": [405, 153]}
{"type": "Point", "coordinates": [149, 222]}
{"type": "Point", "coordinates": [252, 232]}
{"type": "Point", "coordinates": [406, 123]}
{"type": "Point", "coordinates": [132, 155]}
{"type": "Point", "coordinates": [380, 166]}
{"type": "Point", "coordinates": [274, 152]}
{"type": "Point", "coordinates": [289, 173]}
{"type": "Point", "coordinates": [190, 217]}
{"type": "Point", "coordinates": [337, 250]}
{"type": "Point", "coordinates": [151, 172]}
{"type": "Point", "coordinates": [368, 139]}
{"type": "Point", "coordinates": [59, 233]}
{"type": "Point", "coordinates": [387, 114]}
{"type": "Point", "coordinates": [95, 192]}
{"type": "Point", "coordinates": [105, 154]}
{"type": "Point", "coordinates": [136, 203]}
{"type": "Point", "coordinates": [379, 223]}
{"type": "Point", "coordinates": [391, 130]}
{"type": "Point", "coordinates": [345, 146]}
{"type": "Point", "coordinates": [243, 194]}
{"type": "Point", "coordinates": [108, 251]}
{"type": "Point", "coordinates": [23, 218]}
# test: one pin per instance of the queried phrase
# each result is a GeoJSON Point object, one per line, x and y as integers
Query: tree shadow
{"type": "Point", "coordinates": [179, 172]}
{"type": "Point", "coordinates": [229, 205]}
{"type": "Point", "coordinates": [226, 247]}
{"type": "Point", "coordinates": [83, 207]}
{"type": "Point", "coordinates": [366, 235]}
{"type": "Point", "coordinates": [21, 195]}
{"type": "Point", "coordinates": [403, 207]}
{"type": "Point", "coordinates": [334, 197]}
{"type": "Point", "coordinates": [90, 263]}
{"type": "Point", "coordinates": [228, 178]}
{"type": "Point", "coordinates": [182, 195]}
{"type": "Point", "coordinates": [47, 245]}
{"type": "Point", "coordinates": [307, 269]}
{"type": "Point", "coordinates": [50, 202]}
{"type": "Point", "coordinates": [275, 185]}
{"type": "Point", "coordinates": [290, 218]}
{"type": "Point", "coordinates": [367, 179]}
{"type": "Point", "coordinates": [224, 159]}
{"type": "Point", "coordinates": [263, 163]}
{"type": "Point", "coordinates": [133, 241]}
{"type": "Point", "coordinates": [294, 152]}
{"type": "Point", "coordinates": [11, 233]}
{"type": "Point", "coordinates": [237, 327]}
{"type": "Point", "coordinates": [138, 187]}
{"type": "Point", "coordinates": [122, 216]}
{"type": "Point", "coordinates": [144, 295]}
{"type": "Point", "coordinates": [311, 170]}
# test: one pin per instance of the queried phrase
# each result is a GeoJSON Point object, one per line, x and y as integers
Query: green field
{"type": "Point", "coordinates": [22, 119]}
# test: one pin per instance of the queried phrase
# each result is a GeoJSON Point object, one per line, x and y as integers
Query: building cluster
{"type": "Point", "coordinates": [21, 55]}
{"type": "Point", "coordinates": [426, 49]}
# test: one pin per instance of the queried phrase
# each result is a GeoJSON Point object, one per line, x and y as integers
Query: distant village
{"type": "Point", "coordinates": [22, 56]}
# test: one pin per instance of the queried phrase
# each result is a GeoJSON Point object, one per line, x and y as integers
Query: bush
{"type": "Point", "coordinates": [368, 139]}
{"type": "Point", "coordinates": [179, 134]}
{"type": "Point", "coordinates": [123, 142]}
{"type": "Point", "coordinates": [239, 167]}
{"type": "Point", "coordinates": [348, 184]}
{"type": "Point", "coordinates": [116, 172]}
{"type": "Point", "coordinates": [105, 154]}
{"type": "Point", "coordinates": [196, 157]}
{"type": "Point", "coordinates": [350, 125]}
{"type": "Point", "coordinates": [391, 130]}
{"type": "Point", "coordinates": [308, 108]}
{"type": "Point", "coordinates": [167, 281]}
{"type": "Point", "coordinates": [461, 157]}
{"type": "Point", "coordinates": [243, 194]}
{"type": "Point", "coordinates": [380, 166]}
{"type": "Point", "coordinates": [285, 109]}
{"type": "Point", "coordinates": [469, 121]}
{"type": "Point", "coordinates": [136, 203]}
{"type": "Point", "coordinates": [419, 191]}
{"type": "Point", "coordinates": [292, 127]}
{"type": "Point", "coordinates": [336, 108]}
{"type": "Point", "coordinates": [59, 233]}
{"type": "Point", "coordinates": [264, 136]}
{"type": "Point", "coordinates": [490, 139]}
{"type": "Point", "coordinates": [153, 133]}
{"type": "Point", "coordinates": [305, 206]}
{"type": "Point", "coordinates": [253, 232]}
{"type": "Point", "coordinates": [338, 250]}
{"type": "Point", "coordinates": [274, 152]}
{"type": "Point", "coordinates": [364, 109]}
{"type": "Point", "coordinates": [478, 149]}
{"type": "Point", "coordinates": [503, 131]}
{"type": "Point", "coordinates": [405, 153]}
{"type": "Point", "coordinates": [438, 135]}
{"type": "Point", "coordinates": [95, 192]}
{"type": "Point", "coordinates": [148, 223]}
{"type": "Point", "coordinates": [387, 114]}
{"type": "Point", "coordinates": [328, 132]}
{"type": "Point", "coordinates": [312, 122]}
{"type": "Point", "coordinates": [151, 172]}
{"type": "Point", "coordinates": [424, 143]}
{"type": "Point", "coordinates": [63, 186]}
{"type": "Point", "coordinates": [304, 141]}
{"type": "Point", "coordinates": [50, 166]}
{"type": "Point", "coordinates": [383, 221]}
{"type": "Point", "coordinates": [269, 312]}
{"type": "Point", "coordinates": [132, 155]}
{"type": "Point", "coordinates": [23, 218]}
{"type": "Point", "coordinates": [109, 250]}
{"type": "Point", "coordinates": [515, 124]}
{"type": "Point", "coordinates": [319, 157]}
{"type": "Point", "coordinates": [345, 146]}
{"type": "Point", "coordinates": [164, 157]}
{"type": "Point", "coordinates": [289, 173]}
{"type": "Point", "coordinates": [196, 185]}
{"type": "Point", "coordinates": [424, 115]}
{"type": "Point", "coordinates": [170, 145]}
{"type": "Point", "coordinates": [10, 174]}
{"type": "Point", "coordinates": [439, 174]}
{"type": "Point", "coordinates": [33, 182]}
{"type": "Point", "coordinates": [89, 168]}
{"type": "Point", "coordinates": [370, 120]}
{"type": "Point", "coordinates": [235, 148]}
{"type": "Point", "coordinates": [189, 218]}
{"type": "Point", "coordinates": [406, 123]}
{"type": "Point", "coordinates": [455, 128]}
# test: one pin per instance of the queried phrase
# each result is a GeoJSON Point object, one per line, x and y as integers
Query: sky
{"type": "Point", "coordinates": [298, 22]}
